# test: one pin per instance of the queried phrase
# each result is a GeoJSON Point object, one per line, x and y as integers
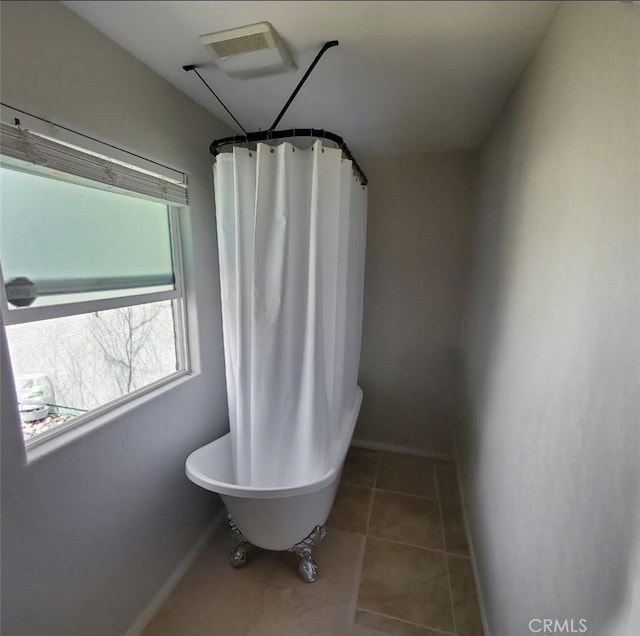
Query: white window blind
{"type": "Point", "coordinates": [56, 157]}
{"type": "Point", "coordinates": [70, 240]}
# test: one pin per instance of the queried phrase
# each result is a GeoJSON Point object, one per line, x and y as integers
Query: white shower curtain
{"type": "Point", "coordinates": [291, 240]}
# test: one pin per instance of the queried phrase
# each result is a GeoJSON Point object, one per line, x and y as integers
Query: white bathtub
{"type": "Point", "coordinates": [271, 518]}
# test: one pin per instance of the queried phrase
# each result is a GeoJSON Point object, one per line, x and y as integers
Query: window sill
{"type": "Point", "coordinates": [85, 424]}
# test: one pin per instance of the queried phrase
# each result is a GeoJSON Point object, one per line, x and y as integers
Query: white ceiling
{"type": "Point", "coordinates": [408, 77]}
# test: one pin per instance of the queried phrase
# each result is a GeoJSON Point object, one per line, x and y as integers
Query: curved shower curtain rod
{"type": "Point", "coordinates": [271, 133]}
{"type": "Point", "coordinates": [268, 135]}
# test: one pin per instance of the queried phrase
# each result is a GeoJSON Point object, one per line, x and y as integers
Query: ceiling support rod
{"type": "Point", "coordinates": [192, 67]}
{"type": "Point", "coordinates": [322, 51]}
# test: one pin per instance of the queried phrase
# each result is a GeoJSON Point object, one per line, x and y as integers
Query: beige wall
{"type": "Point", "coordinates": [91, 532]}
{"type": "Point", "coordinates": [550, 457]}
{"type": "Point", "coordinates": [419, 221]}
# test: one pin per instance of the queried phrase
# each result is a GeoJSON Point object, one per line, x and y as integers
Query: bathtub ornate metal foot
{"type": "Point", "coordinates": [239, 554]}
{"type": "Point", "coordinates": [308, 569]}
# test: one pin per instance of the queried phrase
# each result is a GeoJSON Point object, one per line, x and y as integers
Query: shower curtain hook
{"type": "Point", "coordinates": [269, 141]}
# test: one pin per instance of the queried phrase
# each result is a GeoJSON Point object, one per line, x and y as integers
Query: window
{"type": "Point", "coordinates": [92, 300]}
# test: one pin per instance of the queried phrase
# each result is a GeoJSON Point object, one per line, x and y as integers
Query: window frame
{"type": "Point", "coordinates": [60, 434]}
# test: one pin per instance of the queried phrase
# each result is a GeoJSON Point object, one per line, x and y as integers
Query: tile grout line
{"type": "Point", "coordinates": [418, 547]}
{"type": "Point", "coordinates": [453, 613]}
{"type": "Point", "coordinates": [406, 622]}
{"type": "Point", "coordinates": [375, 477]}
{"type": "Point", "coordinates": [409, 494]}
{"type": "Point", "coordinates": [373, 492]}
{"type": "Point", "coordinates": [364, 544]}
{"type": "Point", "coordinates": [439, 495]}
{"type": "Point", "coordinates": [353, 605]}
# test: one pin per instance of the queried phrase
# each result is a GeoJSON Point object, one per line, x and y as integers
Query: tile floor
{"type": "Point", "coordinates": [395, 561]}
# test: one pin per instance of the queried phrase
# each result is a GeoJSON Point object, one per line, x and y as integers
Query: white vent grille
{"type": "Point", "coordinates": [249, 51]}
{"type": "Point", "coordinates": [243, 44]}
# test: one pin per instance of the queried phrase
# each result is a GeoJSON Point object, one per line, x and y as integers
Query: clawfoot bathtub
{"type": "Point", "coordinates": [287, 518]}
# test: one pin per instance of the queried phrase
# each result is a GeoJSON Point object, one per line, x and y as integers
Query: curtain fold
{"type": "Point", "coordinates": [291, 239]}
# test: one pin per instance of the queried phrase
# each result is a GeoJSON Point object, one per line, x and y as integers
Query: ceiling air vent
{"type": "Point", "coordinates": [249, 51]}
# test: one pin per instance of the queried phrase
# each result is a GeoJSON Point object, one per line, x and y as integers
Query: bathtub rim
{"type": "Point", "coordinates": [199, 477]}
